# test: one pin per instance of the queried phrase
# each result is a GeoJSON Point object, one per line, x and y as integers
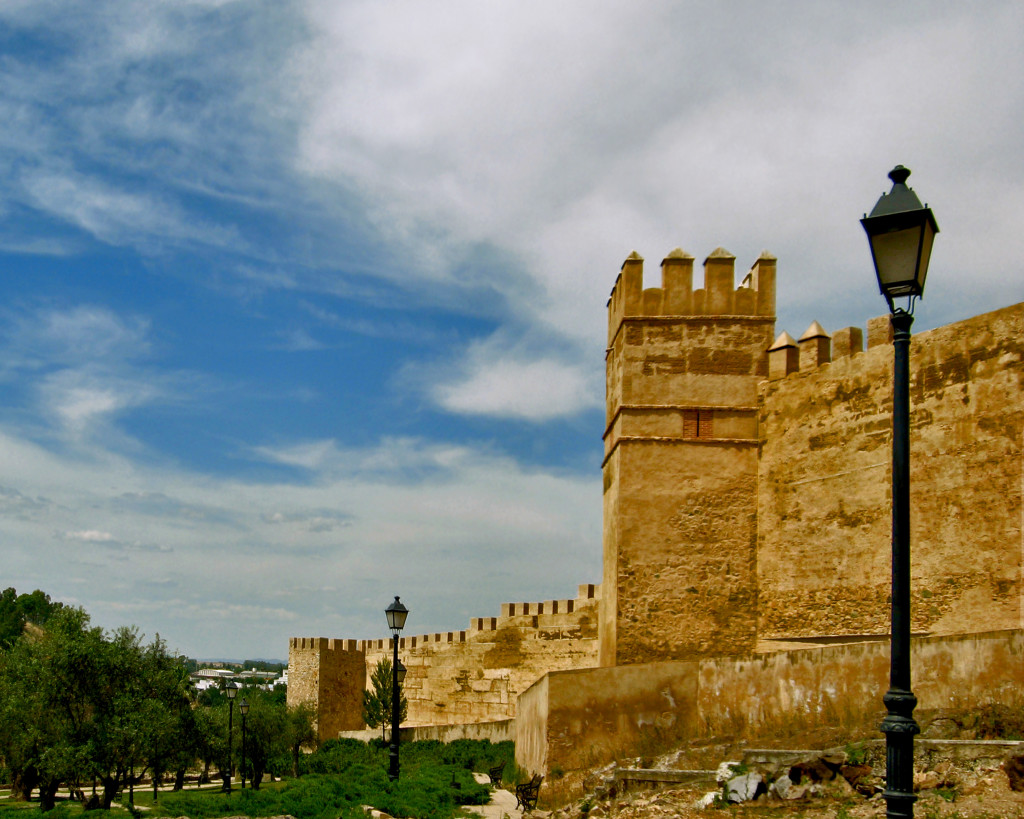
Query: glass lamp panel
{"type": "Point", "coordinates": [396, 614]}
{"type": "Point", "coordinates": [927, 237]}
{"type": "Point", "coordinates": [896, 255]}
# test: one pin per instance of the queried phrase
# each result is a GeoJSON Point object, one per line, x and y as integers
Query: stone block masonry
{"type": "Point", "coordinates": [329, 675]}
{"type": "Point", "coordinates": [680, 468]}
{"type": "Point", "coordinates": [454, 677]}
{"type": "Point", "coordinates": [824, 513]}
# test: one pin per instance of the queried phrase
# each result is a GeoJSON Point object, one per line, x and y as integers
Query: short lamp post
{"type": "Point", "coordinates": [396, 614]}
{"type": "Point", "coordinates": [230, 691]}
{"type": "Point", "coordinates": [901, 231]}
{"type": "Point", "coordinates": [244, 709]}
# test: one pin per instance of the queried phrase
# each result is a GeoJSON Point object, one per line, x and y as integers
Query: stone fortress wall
{"type": "Point", "coordinates": [746, 514]}
{"type": "Point", "coordinates": [824, 509]}
{"type": "Point", "coordinates": [747, 482]}
{"type": "Point", "coordinates": [454, 677]}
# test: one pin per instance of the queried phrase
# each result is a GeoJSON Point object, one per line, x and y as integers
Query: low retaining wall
{"type": "Point", "coordinates": [574, 720]}
{"type": "Point", "coordinates": [497, 731]}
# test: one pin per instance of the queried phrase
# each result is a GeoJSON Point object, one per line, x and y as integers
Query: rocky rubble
{"type": "Point", "coordinates": [815, 782]}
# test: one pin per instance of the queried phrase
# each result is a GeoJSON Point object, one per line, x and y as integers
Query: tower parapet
{"type": "Point", "coordinates": [755, 296]}
{"type": "Point", "coordinates": [680, 469]}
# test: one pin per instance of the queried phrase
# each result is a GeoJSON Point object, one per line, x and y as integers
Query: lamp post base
{"type": "Point", "coordinates": [899, 730]}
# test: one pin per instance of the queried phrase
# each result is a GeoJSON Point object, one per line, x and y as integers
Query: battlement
{"type": "Point", "coordinates": [587, 591]}
{"type": "Point", "coordinates": [817, 348]}
{"type": "Point", "coordinates": [588, 594]}
{"type": "Point", "coordinates": [322, 644]}
{"type": "Point", "coordinates": [754, 298]}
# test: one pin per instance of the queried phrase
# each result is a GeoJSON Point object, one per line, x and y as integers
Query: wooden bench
{"type": "Point", "coordinates": [526, 793]}
{"type": "Point", "coordinates": [495, 773]}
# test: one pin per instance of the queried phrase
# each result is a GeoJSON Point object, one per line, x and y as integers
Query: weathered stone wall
{"type": "Point", "coordinates": [578, 720]}
{"type": "Point", "coordinates": [499, 731]}
{"type": "Point", "coordinates": [329, 675]}
{"type": "Point", "coordinates": [680, 470]}
{"type": "Point", "coordinates": [824, 511]}
{"type": "Point", "coordinates": [453, 678]}
{"type": "Point", "coordinates": [588, 717]}
{"type": "Point", "coordinates": [477, 675]}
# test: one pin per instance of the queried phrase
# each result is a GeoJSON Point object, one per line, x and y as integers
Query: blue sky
{"type": "Point", "coordinates": [302, 303]}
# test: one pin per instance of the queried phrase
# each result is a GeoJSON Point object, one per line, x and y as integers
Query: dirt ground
{"type": "Point", "coordinates": [993, 800]}
{"type": "Point", "coordinates": [952, 782]}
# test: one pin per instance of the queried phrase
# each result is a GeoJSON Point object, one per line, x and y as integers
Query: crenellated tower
{"type": "Point", "coordinates": [680, 467]}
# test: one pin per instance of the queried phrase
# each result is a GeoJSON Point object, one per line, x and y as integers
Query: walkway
{"type": "Point", "coordinates": [501, 806]}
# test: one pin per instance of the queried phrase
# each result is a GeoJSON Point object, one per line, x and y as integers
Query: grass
{"type": "Point", "coordinates": [436, 781]}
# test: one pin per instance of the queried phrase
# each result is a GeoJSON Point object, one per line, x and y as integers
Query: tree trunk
{"type": "Point", "coordinates": [257, 777]}
{"type": "Point", "coordinates": [179, 779]}
{"type": "Point", "coordinates": [110, 785]}
{"type": "Point", "coordinates": [23, 783]}
{"type": "Point", "coordinates": [47, 796]}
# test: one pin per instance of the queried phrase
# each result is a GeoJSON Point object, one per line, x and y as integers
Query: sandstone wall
{"type": "Point", "coordinates": [824, 525]}
{"type": "Point", "coordinates": [680, 470]}
{"type": "Point", "coordinates": [578, 720]}
{"type": "Point", "coordinates": [476, 675]}
{"type": "Point", "coordinates": [500, 731]}
{"type": "Point", "coordinates": [574, 720]}
{"type": "Point", "coordinates": [329, 675]}
{"type": "Point", "coordinates": [454, 678]}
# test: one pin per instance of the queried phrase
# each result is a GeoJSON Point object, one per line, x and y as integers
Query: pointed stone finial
{"type": "Point", "coordinates": [678, 253]}
{"type": "Point", "coordinates": [783, 357]}
{"type": "Point", "coordinates": [766, 257]}
{"type": "Point", "coordinates": [719, 253]}
{"type": "Point", "coordinates": [784, 340]}
{"type": "Point", "coordinates": [815, 347]}
{"type": "Point", "coordinates": [814, 331]}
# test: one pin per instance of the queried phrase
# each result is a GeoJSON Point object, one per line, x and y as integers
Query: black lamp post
{"type": "Point", "coordinates": [396, 614]}
{"type": "Point", "coordinates": [230, 691]}
{"type": "Point", "coordinates": [244, 708]}
{"type": "Point", "coordinates": [900, 231]}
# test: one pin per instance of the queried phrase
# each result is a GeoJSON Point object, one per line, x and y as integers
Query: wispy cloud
{"type": "Point", "coordinates": [121, 217]}
{"type": "Point", "coordinates": [79, 334]}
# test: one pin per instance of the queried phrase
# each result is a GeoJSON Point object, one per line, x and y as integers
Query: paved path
{"type": "Point", "coordinates": [502, 804]}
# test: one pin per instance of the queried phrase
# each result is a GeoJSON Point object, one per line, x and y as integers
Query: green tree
{"type": "Point", "coordinates": [266, 734]}
{"type": "Point", "coordinates": [46, 684]}
{"type": "Point", "coordinates": [18, 610]}
{"type": "Point", "coordinates": [377, 700]}
{"type": "Point", "coordinates": [75, 704]}
{"type": "Point", "coordinates": [300, 731]}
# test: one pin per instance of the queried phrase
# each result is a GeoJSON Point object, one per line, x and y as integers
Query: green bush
{"type": "Point", "coordinates": [436, 779]}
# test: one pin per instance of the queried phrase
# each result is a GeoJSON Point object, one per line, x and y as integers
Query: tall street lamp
{"type": "Point", "coordinates": [230, 691]}
{"type": "Point", "coordinates": [244, 708]}
{"type": "Point", "coordinates": [901, 231]}
{"type": "Point", "coordinates": [396, 614]}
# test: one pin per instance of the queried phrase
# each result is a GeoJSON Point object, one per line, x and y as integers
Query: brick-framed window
{"type": "Point", "coordinates": [698, 423]}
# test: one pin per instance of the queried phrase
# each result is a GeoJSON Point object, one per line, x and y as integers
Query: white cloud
{"type": "Point", "coordinates": [535, 389]}
{"type": "Point", "coordinates": [569, 136]}
{"type": "Point", "coordinates": [89, 536]}
{"type": "Point", "coordinates": [471, 530]}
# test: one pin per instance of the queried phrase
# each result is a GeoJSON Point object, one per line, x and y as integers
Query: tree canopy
{"type": "Point", "coordinates": [80, 705]}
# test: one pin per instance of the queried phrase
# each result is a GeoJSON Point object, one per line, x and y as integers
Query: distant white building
{"type": "Point", "coordinates": [210, 677]}
{"type": "Point", "coordinates": [216, 677]}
